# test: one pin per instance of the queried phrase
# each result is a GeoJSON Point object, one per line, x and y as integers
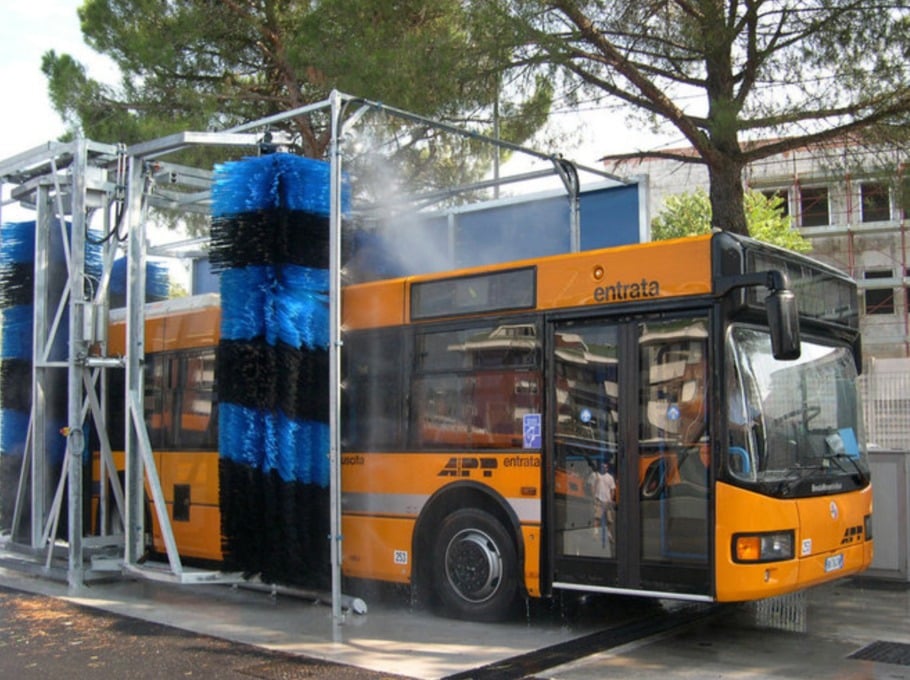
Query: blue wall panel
{"type": "Point", "coordinates": [486, 233]}
{"type": "Point", "coordinates": [515, 231]}
{"type": "Point", "coordinates": [609, 217]}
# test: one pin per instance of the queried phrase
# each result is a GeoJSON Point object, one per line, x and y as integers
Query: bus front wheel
{"type": "Point", "coordinates": [475, 568]}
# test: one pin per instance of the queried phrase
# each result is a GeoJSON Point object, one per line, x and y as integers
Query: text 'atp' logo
{"type": "Point", "coordinates": [467, 466]}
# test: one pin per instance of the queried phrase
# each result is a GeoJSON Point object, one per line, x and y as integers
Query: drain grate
{"type": "Point", "coordinates": [897, 653]}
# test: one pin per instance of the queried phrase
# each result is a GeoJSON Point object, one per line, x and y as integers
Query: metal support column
{"type": "Point", "coordinates": [36, 451]}
{"type": "Point", "coordinates": [335, 354]}
{"type": "Point", "coordinates": [569, 175]}
{"type": "Point", "coordinates": [75, 435]}
{"type": "Point", "coordinates": [140, 463]}
{"type": "Point", "coordinates": [134, 521]}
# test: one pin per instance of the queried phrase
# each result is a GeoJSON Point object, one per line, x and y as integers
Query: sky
{"type": "Point", "coordinates": [31, 27]}
{"type": "Point", "coordinates": [27, 120]}
{"type": "Point", "coordinates": [28, 30]}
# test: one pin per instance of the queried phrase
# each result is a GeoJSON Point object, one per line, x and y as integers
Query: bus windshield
{"type": "Point", "coordinates": [795, 427]}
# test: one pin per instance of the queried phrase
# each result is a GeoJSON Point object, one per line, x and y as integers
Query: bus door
{"type": "Point", "coordinates": [629, 455]}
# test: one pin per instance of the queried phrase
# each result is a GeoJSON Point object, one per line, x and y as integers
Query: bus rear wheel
{"type": "Point", "coordinates": [475, 568]}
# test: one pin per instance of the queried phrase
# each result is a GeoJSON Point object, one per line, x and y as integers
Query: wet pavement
{"type": "Point", "coordinates": [848, 619]}
{"type": "Point", "coordinates": [44, 637]}
{"type": "Point", "coordinates": [143, 629]}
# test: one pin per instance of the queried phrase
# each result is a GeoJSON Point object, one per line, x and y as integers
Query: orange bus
{"type": "Point", "coordinates": [181, 336]}
{"type": "Point", "coordinates": [714, 377]}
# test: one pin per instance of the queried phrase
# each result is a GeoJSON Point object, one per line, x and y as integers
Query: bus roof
{"type": "Point", "coordinates": [649, 271]}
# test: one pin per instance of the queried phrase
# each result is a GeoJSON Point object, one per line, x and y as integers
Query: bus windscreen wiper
{"type": "Point", "coordinates": [838, 459]}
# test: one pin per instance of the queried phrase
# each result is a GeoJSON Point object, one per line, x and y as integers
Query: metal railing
{"type": "Point", "coordinates": [886, 407]}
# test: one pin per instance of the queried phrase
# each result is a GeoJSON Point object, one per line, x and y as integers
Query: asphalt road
{"type": "Point", "coordinates": [42, 637]}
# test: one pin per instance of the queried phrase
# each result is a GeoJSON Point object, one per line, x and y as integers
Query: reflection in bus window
{"type": "Point", "coordinates": [197, 397]}
{"type": "Point", "coordinates": [586, 375]}
{"type": "Point", "coordinates": [794, 425]}
{"type": "Point", "coordinates": [180, 400]}
{"type": "Point", "coordinates": [745, 422]}
{"type": "Point", "coordinates": [673, 440]}
{"type": "Point", "coordinates": [474, 386]}
{"type": "Point", "coordinates": [158, 401]}
{"type": "Point", "coordinates": [674, 370]}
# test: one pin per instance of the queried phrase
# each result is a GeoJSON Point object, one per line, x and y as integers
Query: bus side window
{"type": "Point", "coordinates": [157, 415]}
{"type": "Point", "coordinates": [115, 420]}
{"type": "Point", "coordinates": [473, 386]}
{"type": "Point", "coordinates": [372, 398]}
{"type": "Point", "coordinates": [196, 402]}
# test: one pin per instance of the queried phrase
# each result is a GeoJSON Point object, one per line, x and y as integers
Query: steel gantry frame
{"type": "Point", "coordinates": [55, 181]}
{"type": "Point", "coordinates": [61, 181]}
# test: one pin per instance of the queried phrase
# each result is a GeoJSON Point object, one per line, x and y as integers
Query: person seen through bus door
{"type": "Point", "coordinates": [691, 402]}
{"type": "Point", "coordinates": [692, 408]}
{"type": "Point", "coordinates": [603, 489]}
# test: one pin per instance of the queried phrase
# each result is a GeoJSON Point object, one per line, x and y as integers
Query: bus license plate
{"type": "Point", "coordinates": [834, 563]}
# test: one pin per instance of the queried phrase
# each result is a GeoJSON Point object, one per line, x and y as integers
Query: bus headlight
{"type": "Point", "coordinates": [867, 527]}
{"type": "Point", "coordinates": [766, 547]}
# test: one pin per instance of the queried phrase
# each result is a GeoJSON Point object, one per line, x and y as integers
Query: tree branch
{"type": "Point", "coordinates": [658, 101]}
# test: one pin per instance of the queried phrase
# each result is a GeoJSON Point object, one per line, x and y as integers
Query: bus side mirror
{"type": "Point", "coordinates": [780, 307]}
{"type": "Point", "coordinates": [783, 323]}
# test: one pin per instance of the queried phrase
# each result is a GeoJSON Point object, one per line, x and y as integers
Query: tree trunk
{"type": "Point", "coordinates": [726, 194]}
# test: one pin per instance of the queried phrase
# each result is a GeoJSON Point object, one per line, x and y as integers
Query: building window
{"type": "Point", "coordinates": [781, 197]}
{"type": "Point", "coordinates": [875, 202]}
{"type": "Point", "coordinates": [813, 205]}
{"type": "Point", "coordinates": [879, 300]}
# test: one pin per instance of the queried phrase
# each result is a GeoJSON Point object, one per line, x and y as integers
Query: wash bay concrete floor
{"type": "Point", "coordinates": [146, 629]}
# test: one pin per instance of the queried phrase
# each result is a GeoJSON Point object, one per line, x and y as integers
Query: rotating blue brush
{"type": "Point", "coordinates": [270, 245]}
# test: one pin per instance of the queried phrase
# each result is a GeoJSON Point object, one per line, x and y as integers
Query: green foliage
{"type": "Point", "coordinates": [782, 74]}
{"type": "Point", "coordinates": [211, 64]}
{"type": "Point", "coordinates": [686, 214]}
{"type": "Point", "coordinates": [689, 214]}
{"type": "Point", "coordinates": [767, 222]}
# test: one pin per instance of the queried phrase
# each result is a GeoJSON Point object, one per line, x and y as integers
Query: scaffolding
{"type": "Point", "coordinates": [74, 183]}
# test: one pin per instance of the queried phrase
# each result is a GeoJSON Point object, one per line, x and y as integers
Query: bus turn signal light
{"type": "Point", "coordinates": [770, 547]}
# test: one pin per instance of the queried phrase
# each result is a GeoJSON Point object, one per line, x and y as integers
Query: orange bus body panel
{"type": "Point", "coordinates": [192, 330]}
{"type": "Point", "coordinates": [531, 536]}
{"type": "Point", "coordinates": [199, 536]}
{"type": "Point", "coordinates": [383, 495]}
{"type": "Point", "coordinates": [371, 547]}
{"type": "Point", "coordinates": [182, 328]}
{"type": "Point", "coordinates": [198, 469]}
{"type": "Point", "coordinates": [374, 305]}
{"type": "Point", "coordinates": [742, 511]}
{"type": "Point", "coordinates": [514, 474]}
{"type": "Point", "coordinates": [591, 278]}
{"type": "Point", "coordinates": [615, 275]}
